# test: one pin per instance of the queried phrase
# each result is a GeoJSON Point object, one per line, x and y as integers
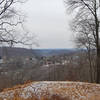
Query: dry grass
{"type": "Point", "coordinates": [54, 97]}
{"type": "Point", "coordinates": [27, 83]}
{"type": "Point", "coordinates": [64, 92]}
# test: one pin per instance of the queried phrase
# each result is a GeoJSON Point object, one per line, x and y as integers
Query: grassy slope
{"type": "Point", "coordinates": [53, 91]}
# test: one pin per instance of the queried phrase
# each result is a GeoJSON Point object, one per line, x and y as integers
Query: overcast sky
{"type": "Point", "coordinates": [49, 21]}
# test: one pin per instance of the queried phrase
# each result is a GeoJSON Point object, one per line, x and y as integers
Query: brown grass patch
{"type": "Point", "coordinates": [27, 83]}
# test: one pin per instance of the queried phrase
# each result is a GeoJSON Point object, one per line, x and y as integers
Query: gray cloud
{"type": "Point", "coordinates": [47, 18]}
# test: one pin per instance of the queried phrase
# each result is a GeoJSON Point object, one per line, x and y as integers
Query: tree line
{"type": "Point", "coordinates": [86, 25]}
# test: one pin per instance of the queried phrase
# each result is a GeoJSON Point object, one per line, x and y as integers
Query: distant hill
{"type": "Point", "coordinates": [33, 52]}
{"type": "Point", "coordinates": [53, 52]}
{"type": "Point", "coordinates": [7, 51]}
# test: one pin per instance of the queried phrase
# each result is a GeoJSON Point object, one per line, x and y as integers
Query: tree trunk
{"type": "Point", "coordinates": [90, 64]}
{"type": "Point", "coordinates": [98, 65]}
{"type": "Point", "coordinates": [97, 44]}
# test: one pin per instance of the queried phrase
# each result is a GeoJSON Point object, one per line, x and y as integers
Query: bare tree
{"type": "Point", "coordinates": [11, 24]}
{"type": "Point", "coordinates": [87, 10]}
{"type": "Point", "coordinates": [86, 40]}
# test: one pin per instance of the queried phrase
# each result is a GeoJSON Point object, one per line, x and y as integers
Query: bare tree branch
{"type": "Point", "coordinates": [87, 23]}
